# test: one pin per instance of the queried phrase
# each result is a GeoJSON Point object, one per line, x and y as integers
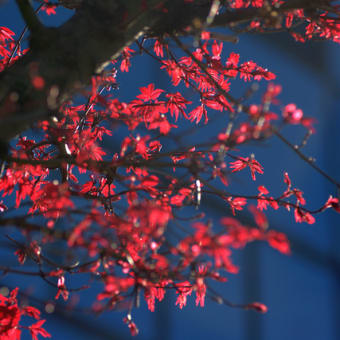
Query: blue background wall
{"type": "Point", "coordinates": [302, 291]}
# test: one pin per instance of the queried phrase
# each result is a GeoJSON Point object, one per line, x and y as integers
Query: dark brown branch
{"type": "Point", "coordinates": [68, 56]}
{"type": "Point", "coordinates": [29, 15]}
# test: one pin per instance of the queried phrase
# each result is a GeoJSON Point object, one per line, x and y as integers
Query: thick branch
{"type": "Point", "coordinates": [66, 57]}
{"type": "Point", "coordinates": [29, 16]}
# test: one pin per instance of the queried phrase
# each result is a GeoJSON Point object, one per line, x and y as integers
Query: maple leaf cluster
{"type": "Point", "coordinates": [120, 211]}
{"type": "Point", "coordinates": [10, 315]}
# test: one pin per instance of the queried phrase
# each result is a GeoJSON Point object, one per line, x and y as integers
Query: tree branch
{"type": "Point", "coordinates": [68, 56]}
{"type": "Point", "coordinates": [30, 17]}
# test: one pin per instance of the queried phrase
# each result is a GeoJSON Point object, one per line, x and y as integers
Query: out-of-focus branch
{"type": "Point", "coordinates": [30, 17]}
{"type": "Point", "coordinates": [68, 56]}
